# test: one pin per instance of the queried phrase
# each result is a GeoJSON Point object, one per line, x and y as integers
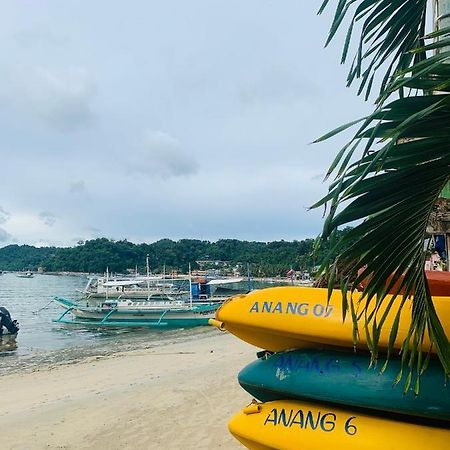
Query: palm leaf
{"type": "Point", "coordinates": [389, 31]}
{"type": "Point", "coordinates": [392, 189]}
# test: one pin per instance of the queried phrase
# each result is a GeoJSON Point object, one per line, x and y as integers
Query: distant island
{"type": "Point", "coordinates": [263, 259]}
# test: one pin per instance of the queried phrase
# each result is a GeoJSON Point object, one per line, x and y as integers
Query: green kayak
{"type": "Point", "coordinates": [343, 378]}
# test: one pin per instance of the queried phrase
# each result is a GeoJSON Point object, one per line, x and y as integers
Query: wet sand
{"type": "Point", "coordinates": [174, 396]}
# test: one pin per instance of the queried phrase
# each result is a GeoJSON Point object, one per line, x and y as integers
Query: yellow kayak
{"type": "Point", "coordinates": [293, 425]}
{"type": "Point", "coordinates": [283, 318]}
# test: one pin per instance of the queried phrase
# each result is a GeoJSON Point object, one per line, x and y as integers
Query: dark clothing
{"type": "Point", "coordinates": [5, 321]}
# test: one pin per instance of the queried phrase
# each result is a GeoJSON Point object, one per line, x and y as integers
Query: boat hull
{"type": "Point", "coordinates": [293, 425]}
{"type": "Point", "coordinates": [284, 318]}
{"type": "Point", "coordinates": [152, 318]}
{"type": "Point", "coordinates": [344, 378]}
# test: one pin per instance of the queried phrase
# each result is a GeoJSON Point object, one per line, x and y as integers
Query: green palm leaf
{"type": "Point", "coordinates": [388, 177]}
{"type": "Point", "coordinates": [389, 31]}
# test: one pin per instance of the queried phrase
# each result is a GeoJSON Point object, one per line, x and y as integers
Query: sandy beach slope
{"type": "Point", "coordinates": [177, 396]}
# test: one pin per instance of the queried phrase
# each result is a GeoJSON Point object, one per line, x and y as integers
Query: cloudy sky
{"type": "Point", "coordinates": [180, 119]}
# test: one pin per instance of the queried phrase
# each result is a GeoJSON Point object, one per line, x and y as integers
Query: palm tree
{"type": "Point", "coordinates": [389, 176]}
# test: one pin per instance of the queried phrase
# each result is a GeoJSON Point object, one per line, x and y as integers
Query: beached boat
{"type": "Point", "coordinates": [161, 313]}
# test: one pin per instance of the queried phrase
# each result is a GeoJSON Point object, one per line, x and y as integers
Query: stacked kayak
{"type": "Point", "coordinates": [291, 425]}
{"type": "Point", "coordinates": [344, 378]}
{"type": "Point", "coordinates": [320, 393]}
{"type": "Point", "coordinates": [284, 318]}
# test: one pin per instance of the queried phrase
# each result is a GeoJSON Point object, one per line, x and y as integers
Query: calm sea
{"type": "Point", "coordinates": [41, 341]}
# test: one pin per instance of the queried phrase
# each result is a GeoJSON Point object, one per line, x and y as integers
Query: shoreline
{"type": "Point", "coordinates": [169, 396]}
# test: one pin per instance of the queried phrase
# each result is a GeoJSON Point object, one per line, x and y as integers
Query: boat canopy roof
{"type": "Point", "coordinates": [115, 283]}
{"type": "Point", "coordinates": [224, 281]}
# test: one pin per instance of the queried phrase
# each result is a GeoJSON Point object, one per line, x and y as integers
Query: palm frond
{"type": "Point", "coordinates": [389, 32]}
{"type": "Point", "coordinates": [389, 192]}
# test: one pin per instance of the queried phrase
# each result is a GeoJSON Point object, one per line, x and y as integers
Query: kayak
{"type": "Point", "coordinates": [344, 378]}
{"type": "Point", "coordinates": [293, 425]}
{"type": "Point", "coordinates": [283, 318]}
{"type": "Point", "coordinates": [438, 282]}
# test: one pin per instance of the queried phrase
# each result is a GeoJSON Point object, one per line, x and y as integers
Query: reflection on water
{"type": "Point", "coordinates": [8, 343]}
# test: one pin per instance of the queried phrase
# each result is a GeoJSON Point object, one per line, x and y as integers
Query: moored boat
{"type": "Point", "coordinates": [27, 274]}
{"type": "Point", "coordinates": [125, 313]}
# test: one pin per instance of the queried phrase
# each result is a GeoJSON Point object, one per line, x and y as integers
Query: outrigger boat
{"type": "Point", "coordinates": [138, 287]}
{"type": "Point", "coordinates": [142, 302]}
{"type": "Point", "coordinates": [27, 274]}
{"type": "Point", "coordinates": [151, 287]}
{"type": "Point", "coordinates": [160, 313]}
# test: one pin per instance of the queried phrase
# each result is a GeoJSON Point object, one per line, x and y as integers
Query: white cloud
{"type": "Point", "coordinates": [275, 86]}
{"type": "Point", "coordinates": [48, 218]}
{"type": "Point", "coordinates": [62, 98]}
{"type": "Point", "coordinates": [77, 187]}
{"type": "Point", "coordinates": [161, 155]}
{"type": "Point", "coordinates": [30, 38]}
{"type": "Point", "coordinates": [5, 236]}
{"type": "Point", "coordinates": [4, 215]}
{"type": "Point", "coordinates": [228, 96]}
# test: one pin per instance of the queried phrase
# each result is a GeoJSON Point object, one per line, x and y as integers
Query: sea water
{"type": "Point", "coordinates": [40, 341]}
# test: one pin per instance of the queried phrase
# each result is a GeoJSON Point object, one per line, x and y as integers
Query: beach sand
{"type": "Point", "coordinates": [174, 396]}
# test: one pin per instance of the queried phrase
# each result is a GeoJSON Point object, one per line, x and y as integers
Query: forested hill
{"type": "Point", "coordinates": [265, 259]}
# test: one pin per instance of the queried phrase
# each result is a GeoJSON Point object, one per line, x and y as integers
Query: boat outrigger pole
{"type": "Point", "coordinates": [148, 277]}
{"type": "Point", "coordinates": [190, 286]}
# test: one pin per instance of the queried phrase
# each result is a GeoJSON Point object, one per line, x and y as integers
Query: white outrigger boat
{"type": "Point", "coordinates": [27, 274]}
{"type": "Point", "coordinates": [160, 313]}
{"type": "Point", "coordinates": [143, 301]}
{"type": "Point", "coordinates": [137, 287]}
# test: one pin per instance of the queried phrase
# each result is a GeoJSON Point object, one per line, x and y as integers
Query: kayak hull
{"type": "Point", "coordinates": [293, 425]}
{"type": "Point", "coordinates": [284, 318]}
{"type": "Point", "coordinates": [344, 378]}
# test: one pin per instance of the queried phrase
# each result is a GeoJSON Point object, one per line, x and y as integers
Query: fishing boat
{"type": "Point", "coordinates": [156, 287]}
{"type": "Point", "coordinates": [151, 313]}
{"type": "Point", "coordinates": [151, 287]}
{"type": "Point", "coordinates": [138, 287]}
{"type": "Point", "coordinates": [143, 301]}
{"type": "Point", "coordinates": [27, 274]}
{"type": "Point", "coordinates": [133, 287]}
